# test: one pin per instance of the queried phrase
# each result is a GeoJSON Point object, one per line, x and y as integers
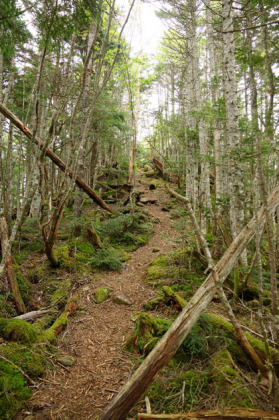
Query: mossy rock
{"type": "Point", "coordinates": [147, 332]}
{"type": "Point", "coordinates": [66, 360]}
{"type": "Point", "coordinates": [157, 270]}
{"type": "Point", "coordinates": [18, 330]}
{"type": "Point", "coordinates": [228, 383]}
{"type": "Point", "coordinates": [102, 294]}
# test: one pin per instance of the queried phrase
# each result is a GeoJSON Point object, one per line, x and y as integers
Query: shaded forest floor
{"type": "Point", "coordinates": [103, 343]}
{"type": "Point", "coordinates": [95, 336]}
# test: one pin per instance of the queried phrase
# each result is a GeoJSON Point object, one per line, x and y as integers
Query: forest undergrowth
{"type": "Point", "coordinates": [118, 288]}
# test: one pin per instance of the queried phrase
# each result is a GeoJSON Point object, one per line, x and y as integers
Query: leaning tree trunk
{"type": "Point", "coordinates": [170, 342]}
{"type": "Point", "coordinates": [55, 159]}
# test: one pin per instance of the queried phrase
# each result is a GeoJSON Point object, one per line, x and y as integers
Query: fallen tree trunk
{"type": "Point", "coordinates": [219, 414]}
{"type": "Point", "coordinates": [11, 275]}
{"type": "Point", "coordinates": [167, 346]}
{"type": "Point", "coordinates": [30, 316]}
{"type": "Point", "coordinates": [55, 159]}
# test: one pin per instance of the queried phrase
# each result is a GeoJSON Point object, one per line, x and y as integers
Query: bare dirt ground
{"type": "Point", "coordinates": [95, 336]}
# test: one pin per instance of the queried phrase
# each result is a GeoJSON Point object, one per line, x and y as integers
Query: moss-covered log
{"type": "Point", "coordinates": [221, 324]}
{"type": "Point", "coordinates": [51, 333]}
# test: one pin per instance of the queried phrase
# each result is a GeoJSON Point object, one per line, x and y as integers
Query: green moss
{"type": "Point", "coordinates": [50, 335]}
{"type": "Point", "coordinates": [175, 297]}
{"type": "Point", "coordinates": [174, 270]}
{"type": "Point", "coordinates": [30, 359]}
{"type": "Point", "coordinates": [6, 308]}
{"type": "Point", "coordinates": [102, 294]}
{"type": "Point", "coordinates": [164, 391]}
{"type": "Point", "coordinates": [220, 323]}
{"type": "Point", "coordinates": [107, 259]}
{"type": "Point", "coordinates": [65, 258]}
{"type": "Point", "coordinates": [18, 330]}
{"type": "Point", "coordinates": [23, 284]}
{"type": "Point", "coordinates": [160, 261]}
{"type": "Point", "coordinates": [147, 332]}
{"type": "Point", "coordinates": [61, 294]}
{"type": "Point", "coordinates": [228, 383]}
{"type": "Point", "coordinates": [154, 303]}
{"type": "Point", "coordinates": [33, 246]}
{"type": "Point", "coordinates": [154, 274]}
{"type": "Point", "coordinates": [13, 390]}
{"type": "Point", "coordinates": [13, 387]}
{"type": "Point", "coordinates": [22, 257]}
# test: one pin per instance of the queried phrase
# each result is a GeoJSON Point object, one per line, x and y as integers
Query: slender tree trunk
{"type": "Point", "coordinates": [232, 114]}
{"type": "Point", "coordinates": [262, 182]}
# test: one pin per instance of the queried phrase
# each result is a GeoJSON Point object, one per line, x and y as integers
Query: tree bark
{"type": "Point", "coordinates": [180, 328]}
{"type": "Point", "coordinates": [11, 276]}
{"type": "Point", "coordinates": [219, 414]}
{"type": "Point", "coordinates": [55, 159]}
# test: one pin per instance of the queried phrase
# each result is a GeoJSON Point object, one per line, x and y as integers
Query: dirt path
{"type": "Point", "coordinates": [95, 337]}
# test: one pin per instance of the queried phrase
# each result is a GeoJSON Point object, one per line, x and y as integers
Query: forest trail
{"type": "Point", "coordinates": [95, 336]}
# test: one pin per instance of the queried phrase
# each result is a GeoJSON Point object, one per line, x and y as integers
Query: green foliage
{"type": "Point", "coordinates": [13, 29]}
{"type": "Point", "coordinates": [107, 259]}
{"type": "Point", "coordinates": [126, 231]}
{"type": "Point", "coordinates": [29, 358]}
{"type": "Point", "coordinates": [165, 394]}
{"type": "Point", "coordinates": [21, 257]}
{"type": "Point", "coordinates": [147, 332]}
{"type": "Point", "coordinates": [61, 294]}
{"type": "Point", "coordinates": [18, 330]}
{"type": "Point", "coordinates": [228, 383]}
{"type": "Point", "coordinates": [24, 285]}
{"type": "Point", "coordinates": [13, 390]}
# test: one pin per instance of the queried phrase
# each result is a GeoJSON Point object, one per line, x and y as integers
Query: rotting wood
{"type": "Point", "coordinates": [158, 166]}
{"type": "Point", "coordinates": [11, 275]}
{"type": "Point", "coordinates": [170, 342]}
{"type": "Point", "coordinates": [55, 159]}
{"type": "Point", "coordinates": [219, 414]}
{"type": "Point", "coordinates": [226, 234]}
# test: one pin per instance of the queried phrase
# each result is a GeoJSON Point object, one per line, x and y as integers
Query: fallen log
{"type": "Point", "coordinates": [170, 342]}
{"type": "Point", "coordinates": [219, 414]}
{"type": "Point", "coordinates": [11, 275]}
{"type": "Point", "coordinates": [55, 159]}
{"type": "Point", "coordinates": [30, 316]}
